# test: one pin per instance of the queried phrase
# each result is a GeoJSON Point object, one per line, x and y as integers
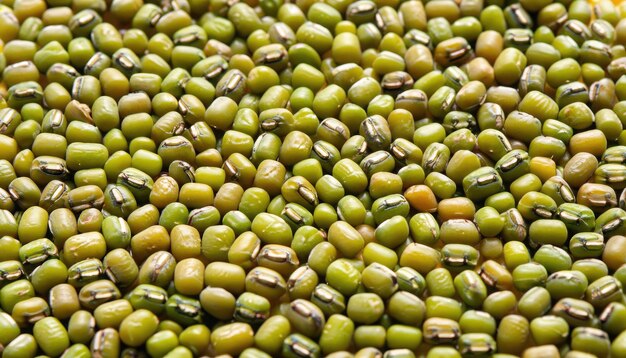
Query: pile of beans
{"type": "Point", "coordinates": [265, 178]}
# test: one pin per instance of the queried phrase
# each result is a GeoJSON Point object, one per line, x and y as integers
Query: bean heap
{"type": "Point", "coordinates": [264, 178]}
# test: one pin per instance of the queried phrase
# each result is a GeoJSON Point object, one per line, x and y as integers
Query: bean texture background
{"type": "Point", "coordinates": [300, 178]}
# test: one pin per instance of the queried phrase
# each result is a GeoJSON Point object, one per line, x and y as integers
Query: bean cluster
{"type": "Point", "coordinates": [265, 178]}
